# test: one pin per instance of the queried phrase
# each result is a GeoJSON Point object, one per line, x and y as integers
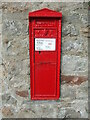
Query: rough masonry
{"type": "Point", "coordinates": [15, 62]}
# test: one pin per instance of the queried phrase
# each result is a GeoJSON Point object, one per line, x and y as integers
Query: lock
{"type": "Point", "coordinates": [39, 52]}
{"type": "Point", "coordinates": [45, 54]}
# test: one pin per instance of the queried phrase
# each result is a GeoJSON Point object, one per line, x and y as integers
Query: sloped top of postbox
{"type": "Point", "coordinates": [45, 13]}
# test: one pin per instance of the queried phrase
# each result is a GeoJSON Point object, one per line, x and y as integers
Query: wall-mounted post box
{"type": "Point", "coordinates": [45, 54]}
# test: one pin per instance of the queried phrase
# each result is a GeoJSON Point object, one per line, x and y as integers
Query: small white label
{"type": "Point", "coordinates": [45, 44]}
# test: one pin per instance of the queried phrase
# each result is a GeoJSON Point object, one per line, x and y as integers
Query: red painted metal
{"type": "Point", "coordinates": [45, 65]}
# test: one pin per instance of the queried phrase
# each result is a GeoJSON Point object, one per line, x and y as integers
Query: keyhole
{"type": "Point", "coordinates": [39, 52]}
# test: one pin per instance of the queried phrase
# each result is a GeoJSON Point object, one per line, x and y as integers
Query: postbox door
{"type": "Point", "coordinates": [45, 60]}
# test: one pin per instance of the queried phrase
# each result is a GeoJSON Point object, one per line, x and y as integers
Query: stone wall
{"type": "Point", "coordinates": [15, 65]}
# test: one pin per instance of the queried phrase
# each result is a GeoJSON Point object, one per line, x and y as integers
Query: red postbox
{"type": "Point", "coordinates": [45, 54]}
